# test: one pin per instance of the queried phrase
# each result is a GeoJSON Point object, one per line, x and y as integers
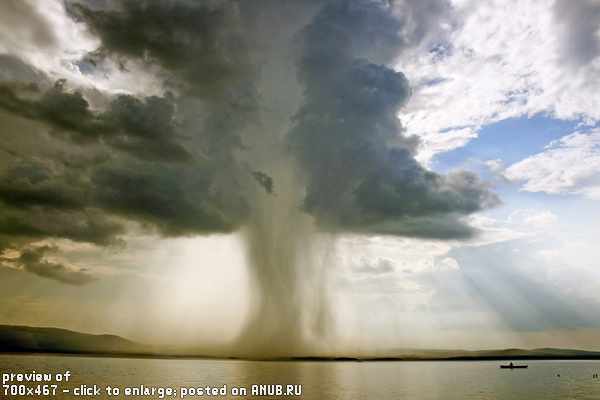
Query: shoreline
{"type": "Point", "coordinates": [302, 359]}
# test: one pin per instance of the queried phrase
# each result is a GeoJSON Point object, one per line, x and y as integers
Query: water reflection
{"type": "Point", "coordinates": [329, 380]}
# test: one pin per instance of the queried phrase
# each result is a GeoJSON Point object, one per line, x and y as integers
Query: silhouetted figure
{"type": "Point", "coordinates": [558, 375]}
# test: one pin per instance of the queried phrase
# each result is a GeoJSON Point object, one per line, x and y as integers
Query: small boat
{"type": "Point", "coordinates": [513, 366]}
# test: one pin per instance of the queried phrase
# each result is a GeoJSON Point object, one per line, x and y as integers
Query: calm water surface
{"type": "Point", "coordinates": [328, 380]}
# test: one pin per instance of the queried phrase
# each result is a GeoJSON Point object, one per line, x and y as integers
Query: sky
{"type": "Point", "coordinates": [345, 177]}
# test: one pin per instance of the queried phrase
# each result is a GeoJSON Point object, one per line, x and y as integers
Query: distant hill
{"type": "Point", "coordinates": [25, 339]}
{"type": "Point", "coordinates": [54, 340]}
{"type": "Point", "coordinates": [498, 354]}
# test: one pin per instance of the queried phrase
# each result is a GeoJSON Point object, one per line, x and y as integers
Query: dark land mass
{"type": "Point", "coordinates": [25, 339]}
{"type": "Point", "coordinates": [17, 339]}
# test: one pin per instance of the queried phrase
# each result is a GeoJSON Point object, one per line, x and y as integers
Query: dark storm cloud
{"type": "Point", "coordinates": [173, 163]}
{"type": "Point", "coordinates": [200, 49]}
{"type": "Point", "coordinates": [91, 226]}
{"type": "Point", "coordinates": [203, 51]}
{"type": "Point", "coordinates": [199, 43]}
{"type": "Point", "coordinates": [42, 199]}
{"type": "Point", "coordinates": [176, 201]}
{"type": "Point", "coordinates": [362, 174]}
{"type": "Point", "coordinates": [207, 52]}
{"type": "Point", "coordinates": [33, 260]}
{"type": "Point", "coordinates": [580, 21]}
{"type": "Point", "coordinates": [62, 194]}
{"type": "Point", "coordinates": [68, 196]}
{"type": "Point", "coordinates": [145, 128]}
{"type": "Point", "coordinates": [33, 184]}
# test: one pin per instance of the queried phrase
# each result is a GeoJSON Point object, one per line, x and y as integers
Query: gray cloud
{"type": "Point", "coordinates": [46, 199]}
{"type": "Point", "coordinates": [362, 174]}
{"type": "Point", "coordinates": [145, 128]}
{"type": "Point", "coordinates": [361, 171]}
{"type": "Point", "coordinates": [13, 68]}
{"type": "Point", "coordinates": [444, 227]}
{"type": "Point", "coordinates": [580, 21]}
{"type": "Point", "coordinates": [174, 199]}
{"type": "Point", "coordinates": [203, 49]}
{"type": "Point", "coordinates": [29, 184]}
{"type": "Point", "coordinates": [380, 266]}
{"type": "Point", "coordinates": [68, 196]}
{"type": "Point", "coordinates": [177, 201]}
{"type": "Point", "coordinates": [22, 24]}
{"type": "Point", "coordinates": [199, 43]}
{"type": "Point", "coordinates": [90, 226]}
{"type": "Point", "coordinates": [264, 180]}
{"type": "Point", "coordinates": [33, 260]}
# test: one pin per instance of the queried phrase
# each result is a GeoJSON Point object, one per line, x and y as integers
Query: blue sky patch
{"type": "Point", "coordinates": [509, 140]}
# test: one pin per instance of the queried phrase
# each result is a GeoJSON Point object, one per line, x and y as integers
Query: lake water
{"type": "Point", "coordinates": [321, 380]}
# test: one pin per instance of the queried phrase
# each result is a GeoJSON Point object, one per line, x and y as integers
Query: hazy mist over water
{"type": "Point", "coordinates": [421, 380]}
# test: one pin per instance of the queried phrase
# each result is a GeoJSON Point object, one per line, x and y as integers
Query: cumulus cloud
{"type": "Point", "coordinates": [200, 44]}
{"type": "Point", "coordinates": [88, 161]}
{"type": "Point", "coordinates": [186, 155]}
{"type": "Point", "coordinates": [142, 127]}
{"type": "Point", "coordinates": [163, 174]}
{"type": "Point", "coordinates": [362, 173]}
{"type": "Point", "coordinates": [569, 165]}
{"type": "Point", "coordinates": [206, 52]}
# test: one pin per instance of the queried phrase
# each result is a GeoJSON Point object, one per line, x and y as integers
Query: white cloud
{"type": "Point", "coordinates": [406, 254]}
{"type": "Point", "coordinates": [570, 165]}
{"type": "Point", "coordinates": [533, 219]}
{"type": "Point", "coordinates": [503, 59]}
{"type": "Point", "coordinates": [493, 230]}
{"type": "Point", "coordinates": [520, 224]}
{"type": "Point", "coordinates": [448, 264]}
{"type": "Point", "coordinates": [495, 166]}
{"type": "Point", "coordinates": [448, 140]}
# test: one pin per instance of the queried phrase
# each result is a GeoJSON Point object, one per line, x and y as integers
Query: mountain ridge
{"type": "Point", "coordinates": [28, 339]}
